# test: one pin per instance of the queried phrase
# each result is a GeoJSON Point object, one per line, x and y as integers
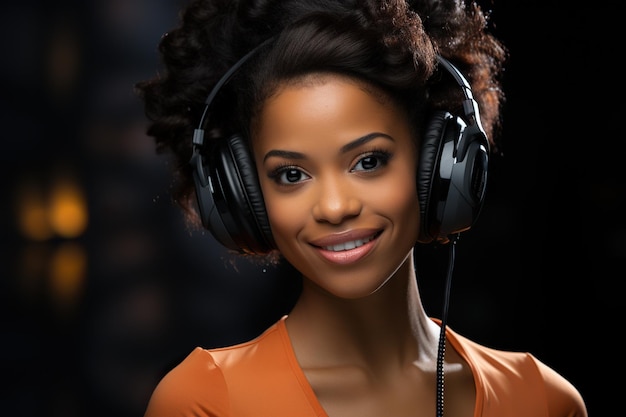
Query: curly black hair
{"type": "Point", "coordinates": [389, 44]}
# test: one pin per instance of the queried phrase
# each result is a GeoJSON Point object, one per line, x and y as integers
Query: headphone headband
{"type": "Point", "coordinates": [198, 135]}
{"type": "Point", "coordinates": [470, 107]}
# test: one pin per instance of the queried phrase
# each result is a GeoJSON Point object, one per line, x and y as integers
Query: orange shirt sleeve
{"type": "Point", "coordinates": [258, 378]}
{"type": "Point", "coordinates": [194, 388]}
{"type": "Point", "coordinates": [517, 384]}
{"type": "Point", "coordinates": [563, 399]}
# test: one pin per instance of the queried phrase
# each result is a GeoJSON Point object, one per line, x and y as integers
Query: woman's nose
{"type": "Point", "coordinates": [336, 201]}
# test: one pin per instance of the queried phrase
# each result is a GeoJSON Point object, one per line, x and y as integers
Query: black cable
{"type": "Point", "coordinates": [442, 334]}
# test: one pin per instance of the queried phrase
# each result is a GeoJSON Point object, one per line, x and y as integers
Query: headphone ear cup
{"type": "Point", "coordinates": [211, 203]}
{"type": "Point", "coordinates": [426, 176]}
{"type": "Point", "coordinates": [244, 197]}
{"type": "Point", "coordinates": [451, 183]}
{"type": "Point", "coordinates": [230, 202]}
{"type": "Point", "coordinates": [467, 184]}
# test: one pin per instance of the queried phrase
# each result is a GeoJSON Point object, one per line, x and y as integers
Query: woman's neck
{"type": "Point", "coordinates": [387, 327]}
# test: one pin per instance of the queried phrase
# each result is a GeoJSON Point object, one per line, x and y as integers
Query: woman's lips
{"type": "Point", "coordinates": [346, 247]}
{"type": "Point", "coordinates": [349, 244]}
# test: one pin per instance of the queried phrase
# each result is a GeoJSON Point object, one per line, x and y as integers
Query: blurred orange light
{"type": "Point", "coordinates": [68, 270]}
{"type": "Point", "coordinates": [68, 209]}
{"type": "Point", "coordinates": [32, 216]}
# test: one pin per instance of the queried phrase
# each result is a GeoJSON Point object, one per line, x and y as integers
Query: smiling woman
{"type": "Point", "coordinates": [337, 172]}
{"type": "Point", "coordinates": [335, 136]}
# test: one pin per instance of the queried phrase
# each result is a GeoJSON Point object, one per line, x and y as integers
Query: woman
{"type": "Point", "coordinates": [335, 135]}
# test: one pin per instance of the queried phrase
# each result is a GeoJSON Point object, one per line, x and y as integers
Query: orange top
{"type": "Point", "coordinates": [262, 378]}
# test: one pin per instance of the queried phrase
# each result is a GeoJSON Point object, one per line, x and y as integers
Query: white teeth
{"type": "Point", "coordinates": [348, 245]}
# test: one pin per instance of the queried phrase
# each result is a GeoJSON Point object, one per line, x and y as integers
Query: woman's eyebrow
{"type": "Point", "coordinates": [345, 148]}
{"type": "Point", "coordinates": [362, 140]}
{"type": "Point", "coordinates": [283, 154]}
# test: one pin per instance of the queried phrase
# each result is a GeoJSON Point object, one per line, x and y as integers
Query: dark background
{"type": "Point", "coordinates": [92, 316]}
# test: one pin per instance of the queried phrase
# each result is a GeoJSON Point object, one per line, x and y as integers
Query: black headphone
{"type": "Point", "coordinates": [451, 177]}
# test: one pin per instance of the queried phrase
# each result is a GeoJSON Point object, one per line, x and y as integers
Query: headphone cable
{"type": "Point", "coordinates": [442, 334]}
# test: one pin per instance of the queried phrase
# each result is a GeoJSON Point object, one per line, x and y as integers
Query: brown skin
{"type": "Point", "coordinates": [359, 329]}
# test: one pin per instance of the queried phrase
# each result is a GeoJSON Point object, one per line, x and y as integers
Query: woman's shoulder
{"type": "Point", "coordinates": [212, 364]}
{"type": "Point", "coordinates": [217, 380]}
{"type": "Point", "coordinates": [516, 377]}
{"type": "Point", "coordinates": [195, 383]}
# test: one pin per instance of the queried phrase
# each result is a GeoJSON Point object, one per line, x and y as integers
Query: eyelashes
{"type": "Point", "coordinates": [288, 174]}
{"type": "Point", "coordinates": [369, 163]}
{"type": "Point", "coordinates": [372, 161]}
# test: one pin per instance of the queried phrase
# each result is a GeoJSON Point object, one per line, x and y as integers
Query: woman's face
{"type": "Point", "coordinates": [337, 167]}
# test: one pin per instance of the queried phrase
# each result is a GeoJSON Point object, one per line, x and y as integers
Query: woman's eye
{"type": "Point", "coordinates": [372, 161]}
{"type": "Point", "coordinates": [288, 175]}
